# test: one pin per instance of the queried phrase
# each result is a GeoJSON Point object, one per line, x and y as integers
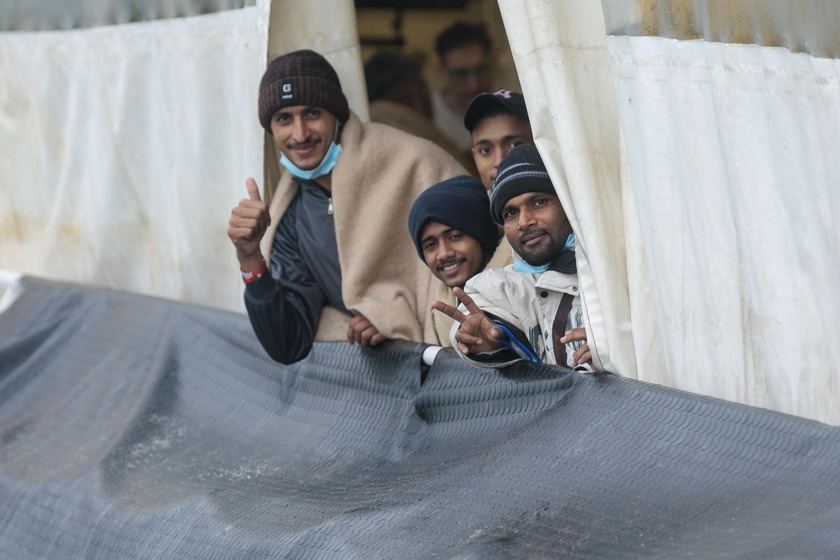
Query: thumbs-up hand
{"type": "Point", "coordinates": [253, 190]}
{"type": "Point", "coordinates": [246, 228]}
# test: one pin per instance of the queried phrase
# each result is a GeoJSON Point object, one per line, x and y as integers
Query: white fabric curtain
{"type": "Point", "coordinates": [44, 15]}
{"type": "Point", "coordinates": [710, 257]}
{"type": "Point", "coordinates": [123, 149]}
{"type": "Point", "coordinates": [733, 150]}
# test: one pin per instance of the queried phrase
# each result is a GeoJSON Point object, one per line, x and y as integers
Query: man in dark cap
{"type": "Point", "coordinates": [454, 235]}
{"type": "Point", "coordinates": [530, 310]}
{"type": "Point", "coordinates": [313, 257]}
{"type": "Point", "coordinates": [497, 122]}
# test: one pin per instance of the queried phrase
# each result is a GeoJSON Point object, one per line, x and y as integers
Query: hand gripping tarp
{"type": "Point", "coordinates": [134, 427]}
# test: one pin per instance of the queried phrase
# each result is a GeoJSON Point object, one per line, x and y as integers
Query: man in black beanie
{"type": "Point", "coordinates": [530, 310]}
{"type": "Point", "coordinates": [311, 254]}
{"type": "Point", "coordinates": [454, 235]}
{"type": "Point", "coordinates": [452, 229]}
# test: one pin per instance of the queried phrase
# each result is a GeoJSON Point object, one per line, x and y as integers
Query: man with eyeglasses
{"type": "Point", "coordinates": [466, 68]}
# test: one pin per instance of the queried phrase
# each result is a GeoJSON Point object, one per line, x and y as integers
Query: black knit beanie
{"type": "Point", "coordinates": [522, 171]}
{"type": "Point", "coordinates": [301, 78]}
{"type": "Point", "coordinates": [460, 203]}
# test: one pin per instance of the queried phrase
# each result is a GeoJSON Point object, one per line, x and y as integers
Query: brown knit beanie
{"type": "Point", "coordinates": [301, 78]}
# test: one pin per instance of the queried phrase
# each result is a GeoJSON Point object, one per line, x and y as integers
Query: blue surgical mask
{"type": "Point", "coordinates": [521, 266]}
{"type": "Point", "coordinates": [323, 168]}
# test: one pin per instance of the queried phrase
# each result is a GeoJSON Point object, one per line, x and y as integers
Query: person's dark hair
{"type": "Point", "coordinates": [385, 70]}
{"type": "Point", "coordinates": [461, 34]}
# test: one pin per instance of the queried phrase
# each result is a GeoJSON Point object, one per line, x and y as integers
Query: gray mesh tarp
{"type": "Point", "coordinates": [134, 427]}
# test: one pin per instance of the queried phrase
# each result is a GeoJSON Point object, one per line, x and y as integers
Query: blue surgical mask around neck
{"type": "Point", "coordinates": [521, 266]}
{"type": "Point", "coordinates": [323, 168]}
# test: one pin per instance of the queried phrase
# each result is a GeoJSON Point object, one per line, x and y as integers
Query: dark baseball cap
{"type": "Point", "coordinates": [510, 101]}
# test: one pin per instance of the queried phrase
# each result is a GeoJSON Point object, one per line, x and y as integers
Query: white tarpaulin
{"type": "Point", "coordinates": [42, 15]}
{"type": "Point", "coordinates": [734, 155]}
{"type": "Point", "coordinates": [123, 149]}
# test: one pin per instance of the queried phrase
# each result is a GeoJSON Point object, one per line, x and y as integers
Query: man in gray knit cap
{"type": "Point", "coordinates": [325, 256]}
{"type": "Point", "coordinates": [529, 310]}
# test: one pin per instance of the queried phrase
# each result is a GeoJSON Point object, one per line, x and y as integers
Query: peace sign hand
{"type": "Point", "coordinates": [478, 333]}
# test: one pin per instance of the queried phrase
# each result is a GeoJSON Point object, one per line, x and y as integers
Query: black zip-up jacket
{"type": "Point", "coordinates": [284, 307]}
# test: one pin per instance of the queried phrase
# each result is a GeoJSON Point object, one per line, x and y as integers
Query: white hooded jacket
{"type": "Point", "coordinates": [527, 301]}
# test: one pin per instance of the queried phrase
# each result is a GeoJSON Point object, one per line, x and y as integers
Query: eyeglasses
{"type": "Point", "coordinates": [464, 74]}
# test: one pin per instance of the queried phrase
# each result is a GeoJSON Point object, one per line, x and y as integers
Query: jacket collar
{"type": "Point", "coordinates": [565, 262]}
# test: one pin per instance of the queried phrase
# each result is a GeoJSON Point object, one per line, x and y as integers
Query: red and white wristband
{"type": "Point", "coordinates": [249, 277]}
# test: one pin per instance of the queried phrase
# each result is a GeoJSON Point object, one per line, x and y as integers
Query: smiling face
{"type": "Point", "coordinates": [536, 227]}
{"type": "Point", "coordinates": [493, 139]}
{"type": "Point", "coordinates": [304, 134]}
{"type": "Point", "coordinates": [453, 257]}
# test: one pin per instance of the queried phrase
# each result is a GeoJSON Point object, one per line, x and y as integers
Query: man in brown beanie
{"type": "Point", "coordinates": [326, 258]}
{"type": "Point", "coordinates": [530, 310]}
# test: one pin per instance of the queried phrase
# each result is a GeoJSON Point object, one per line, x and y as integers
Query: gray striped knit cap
{"type": "Point", "coordinates": [522, 171]}
{"type": "Point", "coordinates": [301, 78]}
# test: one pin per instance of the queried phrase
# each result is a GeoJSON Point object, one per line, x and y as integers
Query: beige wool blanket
{"type": "Point", "coordinates": [379, 175]}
